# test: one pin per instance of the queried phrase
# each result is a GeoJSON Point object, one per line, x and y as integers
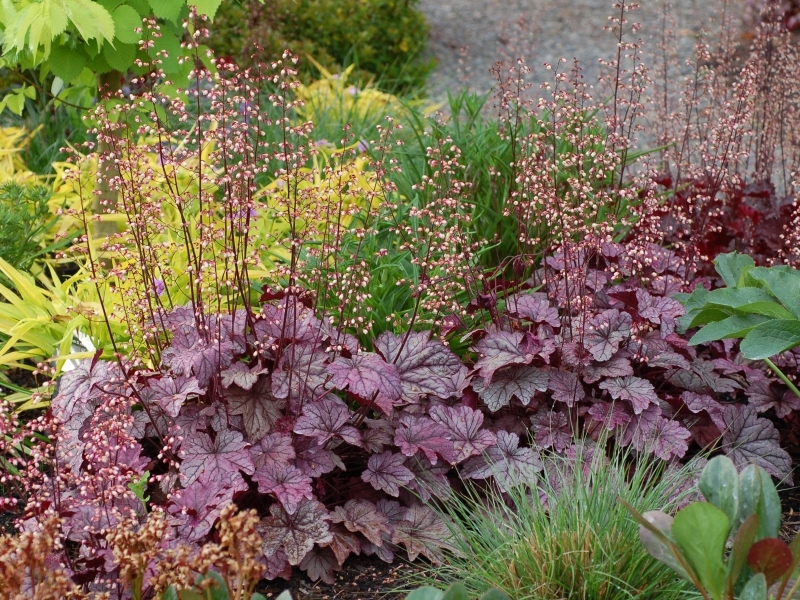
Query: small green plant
{"type": "Point", "coordinates": [560, 531]}
{"type": "Point", "coordinates": [212, 586]}
{"type": "Point", "coordinates": [25, 218]}
{"type": "Point", "coordinates": [456, 591]}
{"type": "Point", "coordinates": [743, 506]}
{"type": "Point", "coordinates": [759, 305]}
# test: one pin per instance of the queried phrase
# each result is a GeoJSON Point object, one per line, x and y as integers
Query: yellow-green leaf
{"type": "Point", "coordinates": [126, 21]}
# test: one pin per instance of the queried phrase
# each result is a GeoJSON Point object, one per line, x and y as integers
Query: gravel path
{"type": "Point", "coordinates": [555, 28]}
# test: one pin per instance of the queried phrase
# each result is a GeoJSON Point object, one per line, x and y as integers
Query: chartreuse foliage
{"type": "Point", "coordinates": [743, 506]}
{"type": "Point", "coordinates": [759, 305]}
{"type": "Point", "coordinates": [78, 40]}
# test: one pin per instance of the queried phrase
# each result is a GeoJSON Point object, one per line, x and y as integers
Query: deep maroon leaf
{"type": "Point", "coordinates": [227, 453]}
{"type": "Point", "coordinates": [520, 382]}
{"type": "Point", "coordinates": [287, 483]}
{"type": "Point", "coordinates": [566, 387]}
{"type": "Point", "coordinates": [273, 450]}
{"type": "Point", "coordinates": [534, 307]}
{"type": "Point", "coordinates": [320, 563]}
{"type": "Point", "coordinates": [661, 311]}
{"type": "Point", "coordinates": [509, 464]}
{"type": "Point", "coordinates": [194, 510]}
{"type": "Point", "coordinates": [386, 471]}
{"type": "Point", "coordinates": [418, 433]}
{"type": "Point", "coordinates": [749, 438]}
{"type": "Point", "coordinates": [422, 532]}
{"type": "Point", "coordinates": [770, 556]}
{"type": "Point", "coordinates": [296, 533]}
{"type": "Point", "coordinates": [365, 375]}
{"type": "Point", "coordinates": [326, 419]}
{"type": "Point", "coordinates": [766, 394]}
{"type": "Point", "coordinates": [464, 425]}
{"type": "Point", "coordinates": [363, 517]}
{"type": "Point", "coordinates": [425, 366]}
{"type": "Point", "coordinates": [639, 392]}
{"type": "Point", "coordinates": [605, 332]}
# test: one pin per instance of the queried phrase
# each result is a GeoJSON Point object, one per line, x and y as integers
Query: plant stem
{"type": "Point", "coordinates": [782, 377]}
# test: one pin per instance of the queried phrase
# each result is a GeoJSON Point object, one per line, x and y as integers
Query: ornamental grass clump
{"type": "Point", "coordinates": [563, 533]}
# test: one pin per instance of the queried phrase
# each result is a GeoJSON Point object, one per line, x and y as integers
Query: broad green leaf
{"type": "Point", "coordinates": [140, 6]}
{"type": "Point", "coordinates": [126, 21]}
{"type": "Point", "coordinates": [736, 326]}
{"type": "Point", "coordinates": [731, 266]}
{"type": "Point", "coordinates": [66, 63]}
{"type": "Point", "coordinates": [120, 56]}
{"type": "Point", "coordinates": [697, 299]}
{"type": "Point", "coordinates": [757, 495]}
{"type": "Point", "coordinates": [719, 483]}
{"type": "Point", "coordinates": [703, 316]}
{"type": "Point", "coordinates": [170, 593]}
{"type": "Point", "coordinates": [206, 7]}
{"type": "Point", "coordinates": [167, 9]}
{"type": "Point", "coordinates": [783, 284]}
{"type": "Point", "coordinates": [284, 595]}
{"type": "Point", "coordinates": [425, 592]}
{"type": "Point", "coordinates": [90, 19]}
{"type": "Point", "coordinates": [771, 338]}
{"type": "Point", "coordinates": [170, 43]}
{"type": "Point", "coordinates": [456, 591]}
{"type": "Point", "coordinates": [756, 588]}
{"type": "Point", "coordinates": [494, 594]}
{"type": "Point", "coordinates": [738, 297]}
{"type": "Point", "coordinates": [701, 531]}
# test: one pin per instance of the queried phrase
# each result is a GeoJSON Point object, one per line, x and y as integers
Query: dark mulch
{"type": "Point", "coordinates": [362, 578]}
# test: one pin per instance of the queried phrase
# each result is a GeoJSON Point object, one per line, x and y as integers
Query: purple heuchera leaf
{"type": "Point", "coordinates": [520, 382]}
{"type": "Point", "coordinates": [418, 433]}
{"type": "Point", "coordinates": [296, 533]}
{"type": "Point", "coordinates": [321, 563]}
{"type": "Point", "coordinates": [766, 394]}
{"type": "Point", "coordinates": [367, 375]}
{"type": "Point", "coordinates": [618, 366]}
{"type": "Point", "coordinates": [315, 460]}
{"type": "Point", "coordinates": [464, 425]}
{"type": "Point", "coordinates": [240, 374]}
{"type": "Point", "coordinates": [507, 462]}
{"type": "Point", "coordinates": [698, 403]}
{"type": "Point", "coordinates": [501, 349]}
{"type": "Point", "coordinates": [325, 419]}
{"type": "Point", "coordinates": [171, 392]}
{"type": "Point", "coordinates": [80, 390]}
{"type": "Point", "coordinates": [301, 373]}
{"type": "Point", "coordinates": [194, 509]}
{"type": "Point", "coordinates": [566, 387]}
{"type": "Point", "coordinates": [552, 429]}
{"type": "Point", "coordinates": [639, 392]}
{"type": "Point", "coordinates": [534, 307]}
{"type": "Point", "coordinates": [429, 480]}
{"type": "Point", "coordinates": [377, 435]}
{"type": "Point", "coordinates": [610, 414]}
{"type": "Point", "coordinates": [605, 332]}
{"type": "Point", "coordinates": [273, 449]}
{"type": "Point", "coordinates": [259, 409]}
{"type": "Point", "coordinates": [753, 439]}
{"type": "Point", "coordinates": [661, 311]}
{"type": "Point", "coordinates": [363, 517]}
{"type": "Point", "coordinates": [650, 432]}
{"type": "Point", "coordinates": [425, 366]}
{"type": "Point", "coordinates": [343, 543]}
{"type": "Point", "coordinates": [386, 471]}
{"type": "Point", "coordinates": [422, 532]}
{"type": "Point", "coordinates": [204, 359]}
{"type": "Point", "coordinates": [287, 483]}
{"type": "Point", "coordinates": [227, 452]}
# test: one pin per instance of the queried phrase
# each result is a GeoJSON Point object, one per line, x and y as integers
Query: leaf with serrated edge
{"type": "Point", "coordinates": [520, 382]}
{"type": "Point", "coordinates": [297, 533]}
{"type": "Point", "coordinates": [363, 517]}
{"type": "Point", "coordinates": [386, 471]}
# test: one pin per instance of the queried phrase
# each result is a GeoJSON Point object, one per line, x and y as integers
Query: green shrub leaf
{"type": "Point", "coordinates": [167, 9]}
{"type": "Point", "coordinates": [719, 483]}
{"type": "Point", "coordinates": [206, 7]}
{"type": "Point", "coordinates": [67, 63]}
{"type": "Point", "coordinates": [731, 266]}
{"type": "Point", "coordinates": [771, 338]}
{"type": "Point", "coordinates": [701, 531]}
{"type": "Point", "coordinates": [781, 283]}
{"type": "Point", "coordinates": [736, 326]}
{"type": "Point", "coordinates": [126, 21]}
{"type": "Point", "coordinates": [425, 592]}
